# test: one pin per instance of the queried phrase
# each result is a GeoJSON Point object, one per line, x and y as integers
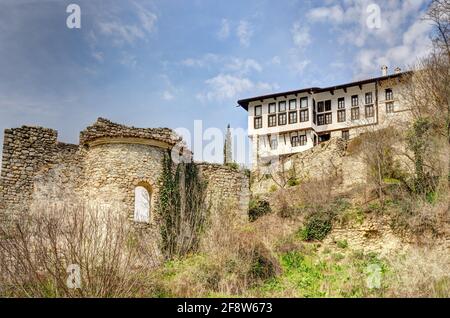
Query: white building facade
{"type": "Point", "coordinates": [294, 121]}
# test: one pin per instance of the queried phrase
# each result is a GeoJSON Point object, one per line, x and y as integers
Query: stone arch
{"type": "Point", "coordinates": [142, 202]}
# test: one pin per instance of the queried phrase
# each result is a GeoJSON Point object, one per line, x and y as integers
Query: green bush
{"type": "Point", "coordinates": [342, 244]}
{"type": "Point", "coordinates": [317, 228]}
{"type": "Point", "coordinates": [258, 208]}
{"type": "Point", "coordinates": [293, 182]}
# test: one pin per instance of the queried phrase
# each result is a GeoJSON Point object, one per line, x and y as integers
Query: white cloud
{"type": "Point", "coordinates": [127, 33]}
{"type": "Point", "coordinates": [235, 65]}
{"type": "Point", "coordinates": [334, 13]}
{"type": "Point", "coordinates": [243, 66]}
{"type": "Point", "coordinates": [228, 87]}
{"type": "Point", "coordinates": [167, 95]}
{"type": "Point", "coordinates": [128, 60]}
{"type": "Point", "coordinates": [276, 60]}
{"type": "Point", "coordinates": [349, 20]}
{"type": "Point", "coordinates": [224, 31]}
{"type": "Point", "coordinates": [300, 35]}
{"type": "Point", "coordinates": [204, 61]}
{"type": "Point", "coordinates": [98, 56]}
{"type": "Point", "coordinates": [415, 44]}
{"type": "Point", "coordinates": [244, 32]}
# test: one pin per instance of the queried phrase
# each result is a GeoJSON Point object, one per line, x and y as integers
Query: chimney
{"type": "Point", "coordinates": [384, 70]}
{"type": "Point", "coordinates": [397, 70]}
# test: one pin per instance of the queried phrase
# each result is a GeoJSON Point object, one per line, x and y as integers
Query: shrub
{"type": "Point", "coordinates": [317, 228]}
{"type": "Point", "coordinates": [273, 188]}
{"type": "Point", "coordinates": [293, 182]}
{"type": "Point", "coordinates": [37, 251]}
{"type": "Point", "coordinates": [258, 208]}
{"type": "Point", "coordinates": [342, 244]}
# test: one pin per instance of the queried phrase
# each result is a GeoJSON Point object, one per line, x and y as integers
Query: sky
{"type": "Point", "coordinates": [166, 63]}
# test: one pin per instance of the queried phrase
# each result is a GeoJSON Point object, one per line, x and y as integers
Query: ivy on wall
{"type": "Point", "coordinates": [182, 207]}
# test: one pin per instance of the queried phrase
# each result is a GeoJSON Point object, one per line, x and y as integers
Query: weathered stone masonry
{"type": "Point", "coordinates": [106, 166]}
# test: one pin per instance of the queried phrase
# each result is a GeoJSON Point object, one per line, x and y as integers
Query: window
{"type": "Point", "coordinates": [354, 100]}
{"type": "Point", "coordinates": [369, 98]}
{"type": "Point", "coordinates": [304, 102]}
{"type": "Point", "coordinates": [328, 119]}
{"type": "Point", "coordinates": [272, 108]}
{"type": "Point", "coordinates": [390, 107]}
{"type": "Point", "coordinates": [258, 110]}
{"type": "Point", "coordinates": [389, 94]}
{"type": "Point", "coordinates": [272, 120]}
{"type": "Point", "coordinates": [355, 113]}
{"type": "Point", "coordinates": [328, 105]}
{"type": "Point", "coordinates": [346, 134]}
{"type": "Point", "coordinates": [302, 140]}
{"type": "Point", "coordinates": [369, 111]}
{"type": "Point", "coordinates": [292, 117]}
{"type": "Point", "coordinates": [273, 142]}
{"type": "Point", "coordinates": [320, 119]}
{"type": "Point", "coordinates": [282, 119]}
{"type": "Point", "coordinates": [282, 106]}
{"type": "Point", "coordinates": [304, 115]}
{"type": "Point", "coordinates": [320, 107]}
{"type": "Point", "coordinates": [292, 104]}
{"type": "Point", "coordinates": [258, 122]}
{"type": "Point", "coordinates": [341, 115]}
{"type": "Point", "coordinates": [341, 103]}
{"type": "Point", "coordinates": [141, 204]}
{"type": "Point", "coordinates": [294, 141]}
{"type": "Point", "coordinates": [298, 140]}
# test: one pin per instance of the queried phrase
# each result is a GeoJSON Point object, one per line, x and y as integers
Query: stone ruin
{"type": "Point", "coordinates": [109, 162]}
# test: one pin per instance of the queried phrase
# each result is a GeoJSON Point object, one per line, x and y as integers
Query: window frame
{"type": "Point", "coordinates": [371, 113]}
{"type": "Point", "coordinates": [280, 123]}
{"type": "Point", "coordinates": [389, 94]}
{"type": "Point", "coordinates": [345, 134]}
{"type": "Point", "coordinates": [270, 142]}
{"type": "Point", "coordinates": [303, 99]}
{"type": "Point", "coordinates": [330, 116]}
{"type": "Point", "coordinates": [296, 117]}
{"type": "Point", "coordinates": [390, 107]}
{"type": "Point", "coordinates": [319, 121]}
{"type": "Point", "coordinates": [274, 108]}
{"type": "Point", "coordinates": [328, 104]}
{"type": "Point", "coordinates": [259, 119]}
{"type": "Point", "coordinates": [366, 99]}
{"type": "Point", "coordinates": [297, 143]}
{"type": "Point", "coordinates": [303, 139]}
{"type": "Point", "coordinates": [269, 118]}
{"type": "Point", "coordinates": [341, 103]}
{"type": "Point", "coordinates": [260, 109]}
{"type": "Point", "coordinates": [353, 111]}
{"type": "Point", "coordinates": [355, 98]}
{"type": "Point", "coordinates": [295, 105]}
{"type": "Point", "coordinates": [319, 105]}
{"type": "Point", "coordinates": [306, 118]}
{"type": "Point", "coordinates": [341, 118]}
{"type": "Point", "coordinates": [283, 102]}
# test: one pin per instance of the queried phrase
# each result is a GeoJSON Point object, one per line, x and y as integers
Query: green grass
{"type": "Point", "coordinates": [325, 275]}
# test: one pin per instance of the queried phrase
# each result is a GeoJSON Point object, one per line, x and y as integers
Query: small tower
{"type": "Point", "coordinates": [227, 154]}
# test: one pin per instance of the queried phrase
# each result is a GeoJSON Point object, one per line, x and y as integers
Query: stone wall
{"type": "Point", "coordinates": [227, 188]}
{"type": "Point", "coordinates": [105, 168]}
{"type": "Point", "coordinates": [328, 160]}
{"type": "Point", "coordinates": [26, 151]}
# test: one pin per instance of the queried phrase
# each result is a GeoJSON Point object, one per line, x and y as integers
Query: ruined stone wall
{"type": "Point", "coordinates": [227, 188]}
{"type": "Point", "coordinates": [26, 151]}
{"type": "Point", "coordinates": [328, 160]}
{"type": "Point", "coordinates": [113, 171]}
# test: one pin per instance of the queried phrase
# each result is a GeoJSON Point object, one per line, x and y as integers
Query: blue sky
{"type": "Point", "coordinates": [168, 63]}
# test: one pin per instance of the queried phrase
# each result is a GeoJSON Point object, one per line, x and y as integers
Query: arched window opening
{"type": "Point", "coordinates": [142, 204]}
